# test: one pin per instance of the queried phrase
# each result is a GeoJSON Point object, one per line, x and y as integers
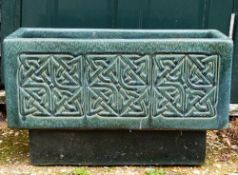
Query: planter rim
{"type": "Point", "coordinates": [117, 34]}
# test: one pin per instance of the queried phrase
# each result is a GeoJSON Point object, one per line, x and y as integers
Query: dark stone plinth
{"type": "Point", "coordinates": [83, 147]}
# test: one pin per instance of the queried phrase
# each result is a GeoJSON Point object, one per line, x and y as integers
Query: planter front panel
{"type": "Point", "coordinates": [118, 85]}
{"type": "Point", "coordinates": [140, 84]}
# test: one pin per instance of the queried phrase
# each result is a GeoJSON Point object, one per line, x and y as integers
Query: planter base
{"type": "Point", "coordinates": [101, 147]}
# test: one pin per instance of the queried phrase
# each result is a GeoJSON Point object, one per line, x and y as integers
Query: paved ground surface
{"type": "Point", "coordinates": [222, 157]}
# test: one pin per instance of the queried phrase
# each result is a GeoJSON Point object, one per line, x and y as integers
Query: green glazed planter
{"type": "Point", "coordinates": [71, 87]}
{"type": "Point", "coordinates": [117, 79]}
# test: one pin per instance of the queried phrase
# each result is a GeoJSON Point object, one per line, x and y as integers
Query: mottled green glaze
{"type": "Point", "coordinates": [117, 79]}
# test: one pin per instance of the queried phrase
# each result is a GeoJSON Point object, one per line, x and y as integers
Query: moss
{"type": "Point", "coordinates": [155, 172]}
{"type": "Point", "coordinates": [78, 171]}
{"type": "Point", "coordinates": [13, 145]}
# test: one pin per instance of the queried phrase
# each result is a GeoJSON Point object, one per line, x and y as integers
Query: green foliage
{"type": "Point", "coordinates": [80, 171]}
{"type": "Point", "coordinates": [155, 172]}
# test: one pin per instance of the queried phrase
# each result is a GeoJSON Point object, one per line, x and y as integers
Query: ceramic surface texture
{"type": "Point", "coordinates": [117, 79]}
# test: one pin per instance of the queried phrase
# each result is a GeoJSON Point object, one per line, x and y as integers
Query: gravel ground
{"type": "Point", "coordinates": [221, 159]}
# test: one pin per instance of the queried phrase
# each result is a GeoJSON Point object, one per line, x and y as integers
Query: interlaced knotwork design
{"type": "Point", "coordinates": [118, 85]}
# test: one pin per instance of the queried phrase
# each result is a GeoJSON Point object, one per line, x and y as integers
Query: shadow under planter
{"type": "Point", "coordinates": [80, 92]}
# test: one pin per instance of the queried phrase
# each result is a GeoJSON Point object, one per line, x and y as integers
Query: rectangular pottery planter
{"type": "Point", "coordinates": [116, 79]}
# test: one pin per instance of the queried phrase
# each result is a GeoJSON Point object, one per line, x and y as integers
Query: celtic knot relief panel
{"type": "Point", "coordinates": [50, 85]}
{"type": "Point", "coordinates": [185, 85]}
{"type": "Point", "coordinates": [118, 85]}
